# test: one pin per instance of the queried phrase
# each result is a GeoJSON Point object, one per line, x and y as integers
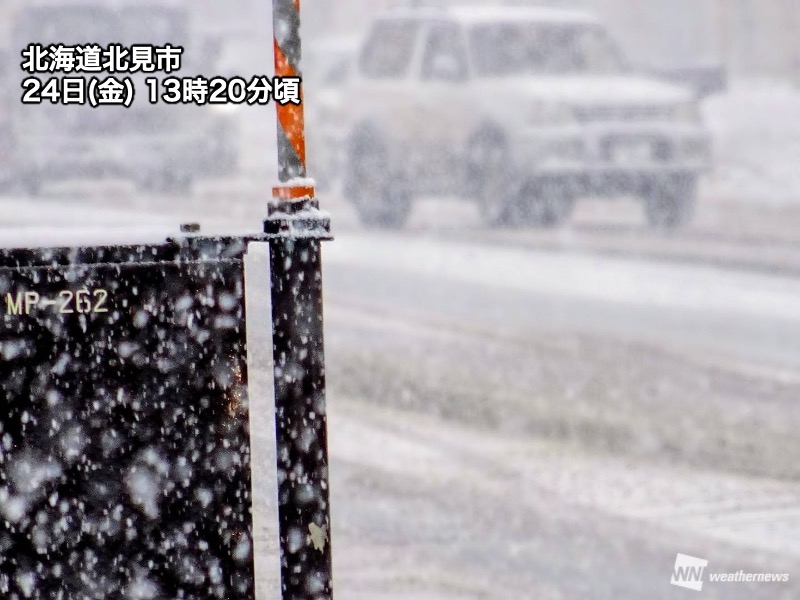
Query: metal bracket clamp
{"type": "Point", "coordinates": [298, 219]}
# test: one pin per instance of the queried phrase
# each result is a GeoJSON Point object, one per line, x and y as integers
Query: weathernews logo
{"type": "Point", "coordinates": [689, 573]}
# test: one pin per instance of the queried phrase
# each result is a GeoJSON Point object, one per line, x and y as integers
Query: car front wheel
{"type": "Point", "coordinates": [381, 199]}
{"type": "Point", "coordinates": [488, 180]}
{"type": "Point", "coordinates": [547, 203]}
{"type": "Point", "coordinates": [670, 202]}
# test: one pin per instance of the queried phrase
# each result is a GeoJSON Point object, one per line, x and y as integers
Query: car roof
{"type": "Point", "coordinates": [476, 15]}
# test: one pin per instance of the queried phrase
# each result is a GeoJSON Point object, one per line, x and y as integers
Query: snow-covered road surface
{"type": "Point", "coordinates": [716, 314]}
{"type": "Point", "coordinates": [629, 283]}
{"type": "Point", "coordinates": [436, 509]}
{"type": "Point", "coordinates": [507, 422]}
{"type": "Point", "coordinates": [425, 507]}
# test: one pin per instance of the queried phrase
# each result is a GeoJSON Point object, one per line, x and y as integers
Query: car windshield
{"type": "Point", "coordinates": [388, 51]}
{"type": "Point", "coordinates": [543, 48]}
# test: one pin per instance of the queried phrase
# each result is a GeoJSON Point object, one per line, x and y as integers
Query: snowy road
{"type": "Point", "coordinates": [425, 508]}
{"type": "Point", "coordinates": [699, 311]}
{"type": "Point", "coordinates": [512, 423]}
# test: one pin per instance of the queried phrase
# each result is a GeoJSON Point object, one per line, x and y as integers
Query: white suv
{"type": "Point", "coordinates": [521, 109]}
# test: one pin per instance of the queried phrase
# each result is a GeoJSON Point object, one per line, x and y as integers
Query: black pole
{"type": "Point", "coordinates": [295, 230]}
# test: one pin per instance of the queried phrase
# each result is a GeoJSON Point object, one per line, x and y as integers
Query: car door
{"type": "Point", "coordinates": [381, 96]}
{"type": "Point", "coordinates": [443, 104]}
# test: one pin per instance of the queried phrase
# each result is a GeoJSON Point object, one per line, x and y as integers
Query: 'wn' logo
{"type": "Point", "coordinates": [688, 572]}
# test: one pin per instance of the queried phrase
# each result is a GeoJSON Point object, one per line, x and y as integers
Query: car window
{"type": "Point", "coordinates": [388, 51]}
{"type": "Point", "coordinates": [444, 58]}
{"type": "Point", "coordinates": [543, 48]}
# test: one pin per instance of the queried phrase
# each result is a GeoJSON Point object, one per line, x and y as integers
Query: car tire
{"type": "Point", "coordinates": [548, 203]}
{"type": "Point", "coordinates": [670, 202]}
{"type": "Point", "coordinates": [487, 179]}
{"type": "Point", "coordinates": [382, 199]}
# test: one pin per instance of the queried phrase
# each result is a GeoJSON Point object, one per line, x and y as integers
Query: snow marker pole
{"type": "Point", "coordinates": [295, 228]}
{"type": "Point", "coordinates": [291, 121]}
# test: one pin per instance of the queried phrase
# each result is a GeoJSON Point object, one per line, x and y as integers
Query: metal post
{"type": "Point", "coordinates": [295, 228]}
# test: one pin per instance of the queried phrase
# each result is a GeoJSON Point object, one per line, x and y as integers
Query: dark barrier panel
{"type": "Point", "coordinates": [124, 443]}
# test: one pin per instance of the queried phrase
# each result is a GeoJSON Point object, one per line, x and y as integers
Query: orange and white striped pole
{"type": "Point", "coordinates": [291, 121]}
{"type": "Point", "coordinates": [295, 228]}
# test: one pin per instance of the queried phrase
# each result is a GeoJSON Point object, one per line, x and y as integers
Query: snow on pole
{"type": "Point", "coordinates": [291, 121]}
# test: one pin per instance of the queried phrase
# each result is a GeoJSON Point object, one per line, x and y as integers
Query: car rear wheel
{"type": "Point", "coordinates": [382, 199]}
{"type": "Point", "coordinates": [547, 203]}
{"type": "Point", "coordinates": [488, 181]}
{"type": "Point", "coordinates": [670, 202]}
